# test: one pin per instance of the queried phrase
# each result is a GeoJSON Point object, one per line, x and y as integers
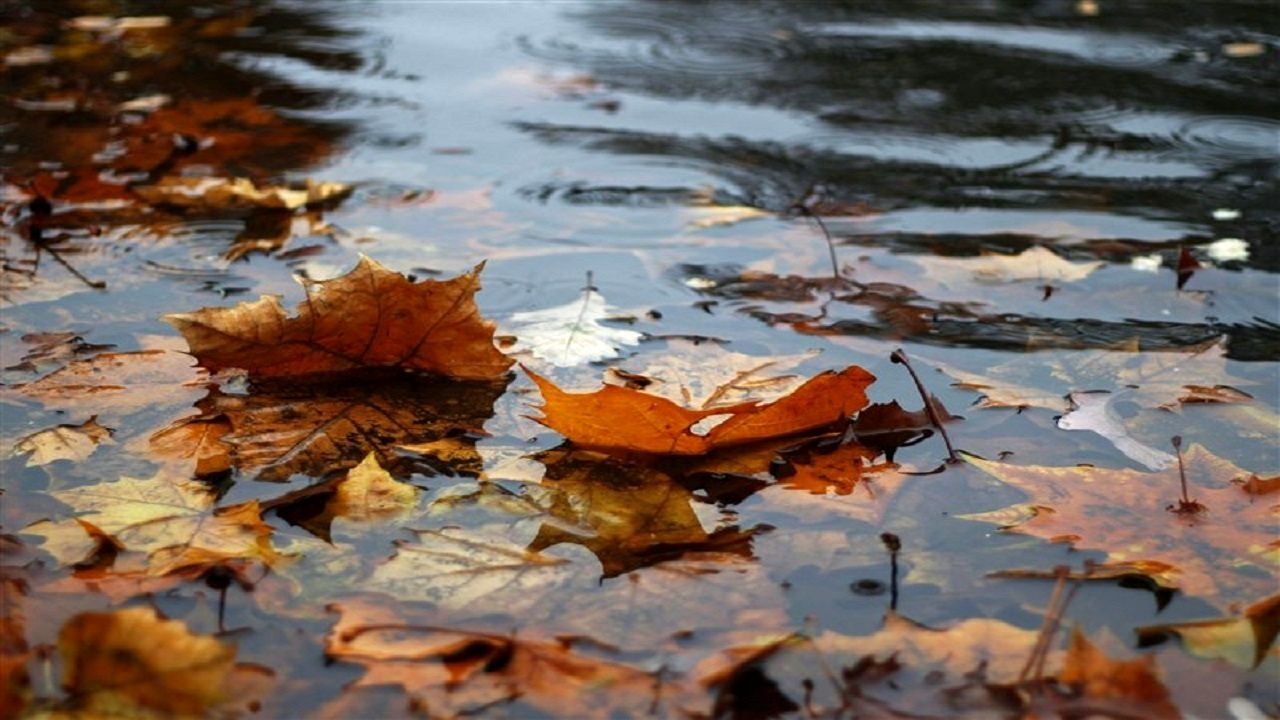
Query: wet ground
{"type": "Point", "coordinates": [765, 178]}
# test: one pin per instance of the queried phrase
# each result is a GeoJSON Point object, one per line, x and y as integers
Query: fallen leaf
{"type": "Point", "coordinates": [64, 442]}
{"type": "Point", "coordinates": [1124, 514]}
{"type": "Point", "coordinates": [55, 348]}
{"type": "Point", "coordinates": [196, 441]}
{"type": "Point", "coordinates": [705, 217]}
{"type": "Point", "coordinates": [127, 662]}
{"type": "Point", "coordinates": [571, 334]}
{"type": "Point", "coordinates": [457, 673]}
{"type": "Point", "coordinates": [1095, 411]}
{"type": "Point", "coordinates": [1187, 266]}
{"type": "Point", "coordinates": [840, 471]}
{"type": "Point", "coordinates": [627, 515]}
{"type": "Point", "coordinates": [322, 424]}
{"type": "Point", "coordinates": [1130, 684]}
{"type": "Point", "coordinates": [370, 494]}
{"type": "Point", "coordinates": [628, 420]}
{"type": "Point", "coordinates": [1243, 640]}
{"type": "Point", "coordinates": [208, 193]}
{"type": "Point", "coordinates": [173, 521]}
{"type": "Point", "coordinates": [370, 317]}
{"type": "Point", "coordinates": [1035, 263]}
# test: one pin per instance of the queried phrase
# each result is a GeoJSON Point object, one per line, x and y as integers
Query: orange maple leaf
{"type": "Point", "coordinates": [617, 418]}
{"type": "Point", "coordinates": [370, 317]}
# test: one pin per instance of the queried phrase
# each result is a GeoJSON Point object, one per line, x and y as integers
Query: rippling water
{"type": "Point", "coordinates": [678, 151]}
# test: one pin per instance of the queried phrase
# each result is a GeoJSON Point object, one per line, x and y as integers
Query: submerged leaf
{"type": "Point", "coordinates": [224, 193]}
{"type": "Point", "coordinates": [64, 442]}
{"type": "Point", "coordinates": [1131, 684]}
{"type": "Point", "coordinates": [1243, 641]}
{"type": "Point", "coordinates": [370, 317]}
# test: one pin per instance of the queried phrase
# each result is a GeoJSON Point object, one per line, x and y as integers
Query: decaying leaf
{"type": "Point", "coordinates": [456, 673]}
{"type": "Point", "coordinates": [1101, 681]}
{"type": "Point", "coordinates": [370, 317]}
{"type": "Point", "coordinates": [196, 441]}
{"type": "Point", "coordinates": [1243, 640]}
{"type": "Point", "coordinates": [223, 193]}
{"type": "Point", "coordinates": [617, 418]}
{"type": "Point", "coordinates": [64, 442]}
{"type": "Point", "coordinates": [370, 494]}
{"type": "Point", "coordinates": [173, 521]}
{"type": "Point", "coordinates": [628, 516]}
{"type": "Point", "coordinates": [323, 424]}
{"type": "Point", "coordinates": [129, 662]}
{"type": "Point", "coordinates": [571, 334]}
{"type": "Point", "coordinates": [1228, 551]}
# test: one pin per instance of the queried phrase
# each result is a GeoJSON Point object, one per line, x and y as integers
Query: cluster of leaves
{"type": "Point", "coordinates": [377, 376]}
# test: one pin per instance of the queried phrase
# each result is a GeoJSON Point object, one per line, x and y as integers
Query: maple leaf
{"type": "Point", "coordinates": [628, 420]}
{"type": "Point", "coordinates": [839, 471]}
{"type": "Point", "coordinates": [173, 521]}
{"type": "Point", "coordinates": [64, 442]}
{"type": "Point", "coordinates": [571, 334]}
{"type": "Point", "coordinates": [1102, 682]}
{"type": "Point", "coordinates": [1124, 514]}
{"type": "Point", "coordinates": [627, 515]}
{"type": "Point", "coordinates": [119, 663]}
{"type": "Point", "coordinates": [1095, 411]}
{"type": "Point", "coordinates": [459, 672]}
{"type": "Point", "coordinates": [1243, 640]}
{"type": "Point", "coordinates": [366, 495]}
{"type": "Point", "coordinates": [320, 424]}
{"type": "Point", "coordinates": [370, 317]}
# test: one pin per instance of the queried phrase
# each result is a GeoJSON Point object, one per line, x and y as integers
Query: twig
{"type": "Point", "coordinates": [831, 246]}
{"type": "Point", "coordinates": [900, 357]}
{"type": "Point", "coordinates": [893, 544]}
{"type": "Point", "coordinates": [95, 284]}
{"type": "Point", "coordinates": [1186, 505]}
{"type": "Point", "coordinates": [586, 299]}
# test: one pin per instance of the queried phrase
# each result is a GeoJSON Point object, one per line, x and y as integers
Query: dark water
{"type": "Point", "coordinates": [553, 140]}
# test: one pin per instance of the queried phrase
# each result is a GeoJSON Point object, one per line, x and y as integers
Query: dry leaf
{"type": "Point", "coordinates": [370, 317]}
{"type": "Point", "coordinates": [64, 442]}
{"type": "Point", "coordinates": [116, 663]}
{"type": "Point", "coordinates": [617, 418]}
{"type": "Point", "coordinates": [1125, 514]}
{"type": "Point", "coordinates": [173, 521]}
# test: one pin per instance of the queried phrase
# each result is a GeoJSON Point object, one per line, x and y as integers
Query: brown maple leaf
{"type": "Point", "coordinates": [1228, 550]}
{"type": "Point", "coordinates": [370, 317]}
{"type": "Point", "coordinates": [325, 423]}
{"type": "Point", "coordinates": [1103, 684]}
{"type": "Point", "coordinates": [615, 418]}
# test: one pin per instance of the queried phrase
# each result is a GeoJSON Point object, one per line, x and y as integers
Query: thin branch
{"type": "Point", "coordinates": [900, 357]}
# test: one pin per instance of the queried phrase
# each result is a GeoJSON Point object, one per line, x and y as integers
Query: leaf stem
{"type": "Point", "coordinates": [893, 544]}
{"type": "Point", "coordinates": [900, 357]}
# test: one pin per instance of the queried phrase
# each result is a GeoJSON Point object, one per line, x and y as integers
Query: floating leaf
{"type": "Point", "coordinates": [1035, 263]}
{"type": "Point", "coordinates": [1228, 550]}
{"type": "Point", "coordinates": [629, 420]}
{"type": "Point", "coordinates": [370, 317]}
{"type": "Point", "coordinates": [1131, 684]}
{"type": "Point", "coordinates": [703, 375]}
{"type": "Point", "coordinates": [64, 442]}
{"type": "Point", "coordinates": [1095, 411]}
